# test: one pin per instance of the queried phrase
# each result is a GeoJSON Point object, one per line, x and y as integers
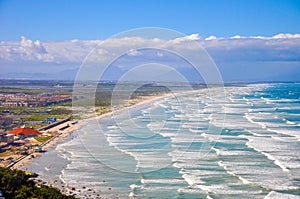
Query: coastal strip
{"type": "Point", "coordinates": [66, 127]}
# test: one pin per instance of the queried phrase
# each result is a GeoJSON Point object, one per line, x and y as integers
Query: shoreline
{"type": "Point", "coordinates": [50, 146]}
{"type": "Point", "coordinates": [66, 133]}
{"type": "Point", "coordinates": [53, 142]}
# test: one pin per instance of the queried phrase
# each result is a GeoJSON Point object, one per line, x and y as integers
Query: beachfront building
{"type": "Point", "coordinates": [5, 141]}
{"type": "Point", "coordinates": [24, 132]}
{"type": "Point", "coordinates": [6, 138]}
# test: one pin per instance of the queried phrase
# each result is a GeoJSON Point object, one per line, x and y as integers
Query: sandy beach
{"type": "Point", "coordinates": [73, 126]}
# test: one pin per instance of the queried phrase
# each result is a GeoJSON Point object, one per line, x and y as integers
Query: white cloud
{"type": "Point", "coordinates": [31, 50]}
{"type": "Point", "coordinates": [75, 51]}
{"type": "Point", "coordinates": [192, 37]}
{"type": "Point", "coordinates": [237, 37]}
{"type": "Point", "coordinates": [278, 36]}
{"type": "Point", "coordinates": [25, 50]}
{"type": "Point", "coordinates": [255, 48]}
{"type": "Point", "coordinates": [34, 47]}
{"type": "Point", "coordinates": [212, 37]}
{"type": "Point", "coordinates": [286, 36]}
{"type": "Point", "coordinates": [282, 48]}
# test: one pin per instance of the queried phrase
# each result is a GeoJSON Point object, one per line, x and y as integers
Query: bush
{"type": "Point", "coordinates": [16, 184]}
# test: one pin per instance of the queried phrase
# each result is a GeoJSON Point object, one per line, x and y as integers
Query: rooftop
{"type": "Point", "coordinates": [24, 132]}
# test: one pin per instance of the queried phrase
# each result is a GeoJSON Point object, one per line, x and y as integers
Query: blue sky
{"type": "Point", "coordinates": [49, 20]}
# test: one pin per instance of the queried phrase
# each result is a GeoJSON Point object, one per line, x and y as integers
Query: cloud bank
{"type": "Point", "coordinates": [238, 58]}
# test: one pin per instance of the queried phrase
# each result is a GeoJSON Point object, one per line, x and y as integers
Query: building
{"type": "Point", "coordinates": [25, 132]}
{"type": "Point", "coordinates": [32, 100]}
{"type": "Point", "coordinates": [6, 138]}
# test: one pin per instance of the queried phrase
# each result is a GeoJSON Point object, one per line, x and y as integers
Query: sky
{"type": "Point", "coordinates": [58, 20]}
{"type": "Point", "coordinates": [247, 40]}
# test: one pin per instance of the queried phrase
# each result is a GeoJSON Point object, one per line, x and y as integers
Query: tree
{"type": "Point", "coordinates": [16, 184]}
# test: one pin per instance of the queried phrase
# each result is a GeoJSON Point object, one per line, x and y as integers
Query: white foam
{"type": "Point", "coordinates": [163, 181]}
{"type": "Point", "coordinates": [192, 179]}
{"type": "Point", "coordinates": [196, 130]}
{"type": "Point", "coordinates": [277, 195]}
{"type": "Point", "coordinates": [163, 105]}
{"type": "Point", "coordinates": [190, 190]}
{"type": "Point", "coordinates": [243, 180]}
{"type": "Point", "coordinates": [276, 161]}
{"type": "Point", "coordinates": [216, 150]}
{"type": "Point", "coordinates": [132, 195]}
{"type": "Point", "coordinates": [134, 186]}
{"type": "Point", "coordinates": [112, 127]}
{"type": "Point", "coordinates": [250, 119]}
{"type": "Point", "coordinates": [284, 131]}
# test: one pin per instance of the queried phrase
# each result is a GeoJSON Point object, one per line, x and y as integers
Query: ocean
{"type": "Point", "coordinates": [201, 144]}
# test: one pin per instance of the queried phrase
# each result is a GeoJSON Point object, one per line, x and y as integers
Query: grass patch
{"type": "Point", "coordinates": [43, 139]}
{"type": "Point", "coordinates": [42, 117]}
{"type": "Point", "coordinates": [36, 126]}
{"type": "Point", "coordinates": [7, 153]}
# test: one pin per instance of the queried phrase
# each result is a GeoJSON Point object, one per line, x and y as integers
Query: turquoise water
{"type": "Point", "coordinates": [196, 145]}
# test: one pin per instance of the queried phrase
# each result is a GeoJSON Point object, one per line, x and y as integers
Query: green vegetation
{"type": "Point", "coordinates": [149, 89]}
{"type": "Point", "coordinates": [17, 110]}
{"type": "Point", "coordinates": [6, 153]}
{"type": "Point", "coordinates": [17, 184]}
{"type": "Point", "coordinates": [43, 139]}
{"type": "Point", "coordinates": [36, 126]}
{"type": "Point", "coordinates": [60, 111]}
{"type": "Point", "coordinates": [21, 90]}
{"type": "Point", "coordinates": [33, 91]}
{"type": "Point", "coordinates": [64, 104]}
{"type": "Point", "coordinates": [102, 110]}
{"type": "Point", "coordinates": [41, 117]}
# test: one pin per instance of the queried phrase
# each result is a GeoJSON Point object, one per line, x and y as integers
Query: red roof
{"type": "Point", "coordinates": [24, 132]}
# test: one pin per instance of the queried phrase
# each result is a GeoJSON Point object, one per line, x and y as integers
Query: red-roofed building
{"type": "Point", "coordinates": [25, 132]}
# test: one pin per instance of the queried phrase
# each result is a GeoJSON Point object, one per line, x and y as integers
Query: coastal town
{"type": "Point", "coordinates": [31, 120]}
{"type": "Point", "coordinates": [25, 142]}
{"type": "Point", "coordinates": [18, 108]}
{"type": "Point", "coordinates": [28, 121]}
{"type": "Point", "coordinates": [37, 118]}
{"type": "Point", "coordinates": [32, 100]}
